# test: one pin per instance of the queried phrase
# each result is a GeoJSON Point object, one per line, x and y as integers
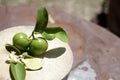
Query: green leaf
{"type": "Point", "coordinates": [10, 48]}
{"type": "Point", "coordinates": [26, 55]}
{"type": "Point", "coordinates": [48, 36]}
{"type": "Point", "coordinates": [58, 32]}
{"type": "Point", "coordinates": [42, 20]}
{"type": "Point", "coordinates": [18, 71]}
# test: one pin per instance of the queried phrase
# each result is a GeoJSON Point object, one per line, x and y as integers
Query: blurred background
{"type": "Point", "coordinates": [101, 12]}
{"type": "Point", "coordinates": [91, 10]}
{"type": "Point", "coordinates": [84, 8]}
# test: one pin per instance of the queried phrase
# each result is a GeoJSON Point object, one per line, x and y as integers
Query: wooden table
{"type": "Point", "coordinates": [87, 40]}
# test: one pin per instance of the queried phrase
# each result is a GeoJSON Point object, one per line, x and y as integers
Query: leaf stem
{"type": "Point", "coordinates": [32, 35]}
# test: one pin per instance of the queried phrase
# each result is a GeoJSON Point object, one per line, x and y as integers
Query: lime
{"type": "Point", "coordinates": [33, 63]}
{"type": "Point", "coordinates": [38, 46]}
{"type": "Point", "coordinates": [21, 41]}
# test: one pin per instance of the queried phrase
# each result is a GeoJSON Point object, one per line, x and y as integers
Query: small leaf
{"type": "Point", "coordinates": [18, 71]}
{"type": "Point", "coordinates": [48, 36]}
{"type": "Point", "coordinates": [26, 55]}
{"type": "Point", "coordinates": [42, 20]}
{"type": "Point", "coordinates": [10, 48]}
{"type": "Point", "coordinates": [59, 33]}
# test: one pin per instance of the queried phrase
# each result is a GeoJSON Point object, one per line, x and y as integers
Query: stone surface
{"type": "Point", "coordinates": [83, 72]}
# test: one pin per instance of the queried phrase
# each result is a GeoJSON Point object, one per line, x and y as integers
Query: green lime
{"type": "Point", "coordinates": [21, 41]}
{"type": "Point", "coordinates": [38, 46]}
{"type": "Point", "coordinates": [33, 63]}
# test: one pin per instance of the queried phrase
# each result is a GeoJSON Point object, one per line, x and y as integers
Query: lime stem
{"type": "Point", "coordinates": [32, 35]}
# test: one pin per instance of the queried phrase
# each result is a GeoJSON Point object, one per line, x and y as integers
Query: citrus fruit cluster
{"type": "Point", "coordinates": [35, 47]}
